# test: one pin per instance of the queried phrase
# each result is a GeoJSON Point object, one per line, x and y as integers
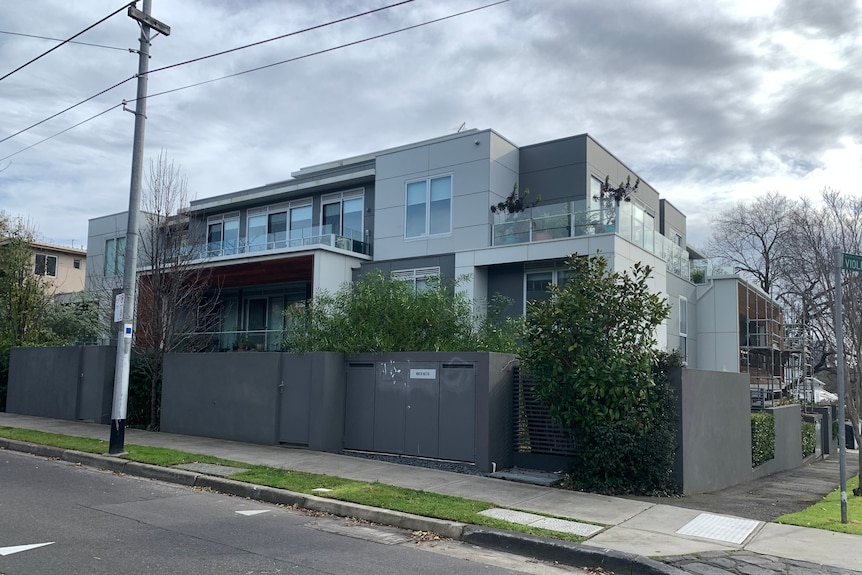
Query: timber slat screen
{"type": "Point", "coordinates": [535, 431]}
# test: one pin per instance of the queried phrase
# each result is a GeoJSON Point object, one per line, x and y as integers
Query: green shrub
{"type": "Point", "coordinates": [636, 454]}
{"type": "Point", "coordinates": [762, 438]}
{"type": "Point", "coordinates": [379, 313]}
{"type": "Point", "coordinates": [809, 438]}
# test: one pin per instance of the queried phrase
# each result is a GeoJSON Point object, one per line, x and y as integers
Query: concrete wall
{"type": "Point", "coordinates": [74, 383]}
{"type": "Point", "coordinates": [714, 436]}
{"type": "Point", "coordinates": [788, 441]}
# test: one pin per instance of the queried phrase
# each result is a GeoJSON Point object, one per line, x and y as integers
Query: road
{"type": "Point", "coordinates": [57, 517]}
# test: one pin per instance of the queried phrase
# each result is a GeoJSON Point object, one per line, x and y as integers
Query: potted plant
{"type": "Point", "coordinates": [514, 202]}
{"type": "Point", "coordinates": [609, 201]}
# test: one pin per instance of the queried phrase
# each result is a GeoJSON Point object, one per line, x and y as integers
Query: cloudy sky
{"type": "Point", "coordinates": [710, 101]}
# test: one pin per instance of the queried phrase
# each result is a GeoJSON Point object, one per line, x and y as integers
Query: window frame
{"type": "Point", "coordinates": [45, 268]}
{"type": "Point", "coordinates": [682, 322]}
{"type": "Point", "coordinates": [428, 206]}
{"type": "Point", "coordinates": [417, 276]}
{"type": "Point", "coordinates": [223, 220]}
{"type": "Point", "coordinates": [118, 265]}
{"type": "Point", "coordinates": [557, 275]}
{"type": "Point", "coordinates": [340, 198]}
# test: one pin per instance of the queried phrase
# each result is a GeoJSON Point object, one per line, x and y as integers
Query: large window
{"type": "Point", "coordinates": [421, 278]}
{"type": "Point", "coordinates": [272, 227]}
{"type": "Point", "coordinates": [342, 212]}
{"type": "Point", "coordinates": [223, 234]}
{"type": "Point", "coordinates": [46, 265]}
{"type": "Point", "coordinates": [429, 207]}
{"type": "Point", "coordinates": [115, 257]}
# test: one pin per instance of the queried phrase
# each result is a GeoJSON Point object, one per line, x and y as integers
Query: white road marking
{"type": "Point", "coordinates": [253, 512]}
{"type": "Point", "coordinates": [19, 548]}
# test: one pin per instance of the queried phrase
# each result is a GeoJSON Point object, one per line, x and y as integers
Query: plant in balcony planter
{"type": "Point", "coordinates": [610, 197]}
{"type": "Point", "coordinates": [514, 202]}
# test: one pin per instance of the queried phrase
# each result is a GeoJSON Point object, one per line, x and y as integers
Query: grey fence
{"type": "Point", "coordinates": [74, 383]}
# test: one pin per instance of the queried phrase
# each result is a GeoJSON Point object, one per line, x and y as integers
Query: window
{"type": "Point", "coordinates": [429, 207]}
{"type": "Point", "coordinates": [595, 191]}
{"type": "Point", "coordinates": [537, 283]}
{"type": "Point", "coordinates": [342, 212]}
{"type": "Point", "coordinates": [76, 263]}
{"type": "Point", "coordinates": [683, 328]}
{"type": "Point", "coordinates": [115, 257]}
{"type": "Point", "coordinates": [46, 265]}
{"type": "Point", "coordinates": [223, 234]}
{"type": "Point", "coordinates": [271, 227]}
{"type": "Point", "coordinates": [421, 278]}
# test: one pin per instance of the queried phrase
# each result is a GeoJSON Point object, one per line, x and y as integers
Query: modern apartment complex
{"type": "Point", "coordinates": [422, 210]}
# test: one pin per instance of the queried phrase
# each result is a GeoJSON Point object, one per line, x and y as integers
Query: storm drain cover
{"type": "Point", "coordinates": [533, 520]}
{"type": "Point", "coordinates": [719, 527]}
{"type": "Point", "coordinates": [211, 469]}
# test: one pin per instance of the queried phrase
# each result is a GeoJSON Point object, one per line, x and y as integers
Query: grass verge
{"type": "Point", "coordinates": [379, 495]}
{"type": "Point", "coordinates": [826, 514]}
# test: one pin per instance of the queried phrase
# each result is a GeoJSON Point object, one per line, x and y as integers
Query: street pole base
{"type": "Point", "coordinates": [118, 436]}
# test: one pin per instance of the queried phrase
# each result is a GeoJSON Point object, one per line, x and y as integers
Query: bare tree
{"type": "Point", "coordinates": [835, 222]}
{"type": "Point", "coordinates": [176, 295]}
{"type": "Point", "coordinates": [753, 238]}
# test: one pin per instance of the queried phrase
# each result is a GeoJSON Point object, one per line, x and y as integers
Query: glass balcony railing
{"type": "Point", "coordinates": [352, 241]}
{"type": "Point", "coordinates": [573, 219]}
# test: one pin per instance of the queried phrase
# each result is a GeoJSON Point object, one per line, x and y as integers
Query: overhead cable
{"type": "Point", "coordinates": [120, 9]}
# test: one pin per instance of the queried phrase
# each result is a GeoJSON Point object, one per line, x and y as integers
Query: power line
{"type": "Point", "coordinates": [61, 40]}
{"type": "Point", "coordinates": [324, 51]}
{"type": "Point", "coordinates": [72, 38]}
{"type": "Point", "coordinates": [310, 54]}
{"type": "Point", "coordinates": [318, 26]}
{"type": "Point", "coordinates": [72, 127]}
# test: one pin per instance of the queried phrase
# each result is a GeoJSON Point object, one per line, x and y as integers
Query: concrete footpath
{"type": "Point", "coordinates": [637, 536]}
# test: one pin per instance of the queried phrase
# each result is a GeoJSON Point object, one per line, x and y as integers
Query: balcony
{"type": "Point", "coordinates": [572, 220]}
{"type": "Point", "coordinates": [303, 238]}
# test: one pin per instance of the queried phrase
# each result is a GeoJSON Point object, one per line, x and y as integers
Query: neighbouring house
{"type": "Point", "coordinates": [62, 268]}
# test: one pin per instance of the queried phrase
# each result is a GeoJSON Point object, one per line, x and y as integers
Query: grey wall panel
{"type": "Point", "coordinates": [390, 407]}
{"type": "Point", "coordinates": [788, 441]}
{"type": "Point", "coordinates": [507, 280]}
{"type": "Point", "coordinates": [43, 381]}
{"type": "Point", "coordinates": [457, 427]}
{"type": "Point", "coordinates": [714, 436]}
{"type": "Point", "coordinates": [422, 418]}
{"type": "Point", "coordinates": [295, 399]}
{"type": "Point", "coordinates": [359, 405]}
{"type": "Point", "coordinates": [326, 403]}
{"type": "Point", "coordinates": [97, 383]}
{"type": "Point", "coordinates": [222, 395]}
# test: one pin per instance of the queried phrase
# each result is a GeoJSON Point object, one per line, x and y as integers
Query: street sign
{"type": "Point", "coordinates": [851, 262]}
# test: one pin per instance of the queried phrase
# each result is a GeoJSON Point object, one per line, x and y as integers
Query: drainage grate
{"type": "Point", "coordinates": [719, 527]}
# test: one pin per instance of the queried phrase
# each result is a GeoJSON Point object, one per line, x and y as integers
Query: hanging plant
{"type": "Point", "coordinates": [514, 202]}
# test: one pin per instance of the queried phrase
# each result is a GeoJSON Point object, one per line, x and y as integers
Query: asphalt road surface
{"type": "Point", "coordinates": [57, 517]}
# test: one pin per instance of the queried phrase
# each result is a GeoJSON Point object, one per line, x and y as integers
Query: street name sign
{"type": "Point", "coordinates": [851, 262]}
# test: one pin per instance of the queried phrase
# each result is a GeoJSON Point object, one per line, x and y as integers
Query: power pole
{"type": "Point", "coordinates": [124, 340]}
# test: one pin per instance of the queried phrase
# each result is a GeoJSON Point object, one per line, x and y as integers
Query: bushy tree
{"type": "Point", "coordinates": [379, 313]}
{"type": "Point", "coordinates": [591, 349]}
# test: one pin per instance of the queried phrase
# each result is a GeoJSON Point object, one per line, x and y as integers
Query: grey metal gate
{"type": "Point", "coordinates": [425, 409]}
